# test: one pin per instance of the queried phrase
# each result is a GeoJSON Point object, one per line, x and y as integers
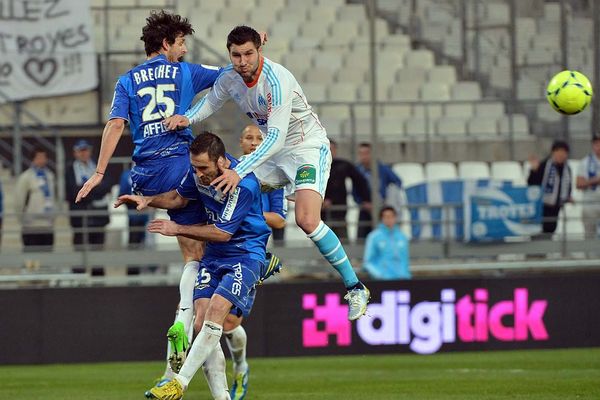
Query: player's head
{"type": "Point", "coordinates": [39, 157]}
{"type": "Point", "coordinates": [560, 152]}
{"type": "Point", "coordinates": [207, 154]}
{"type": "Point", "coordinates": [245, 51]}
{"type": "Point", "coordinates": [596, 145]}
{"type": "Point", "coordinates": [82, 150]}
{"type": "Point", "coordinates": [387, 216]}
{"type": "Point", "coordinates": [251, 138]}
{"type": "Point", "coordinates": [165, 33]}
{"type": "Point", "coordinates": [364, 154]}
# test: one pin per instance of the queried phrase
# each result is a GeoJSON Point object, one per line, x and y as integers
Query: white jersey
{"type": "Point", "coordinates": [589, 167]}
{"type": "Point", "coordinates": [276, 104]}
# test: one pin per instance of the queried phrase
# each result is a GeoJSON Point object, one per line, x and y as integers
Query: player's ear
{"type": "Point", "coordinates": [165, 44]}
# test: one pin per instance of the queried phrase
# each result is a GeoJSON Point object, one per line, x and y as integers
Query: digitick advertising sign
{"type": "Point", "coordinates": [431, 316]}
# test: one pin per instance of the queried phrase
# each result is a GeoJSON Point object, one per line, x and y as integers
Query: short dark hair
{"type": "Point", "coordinates": [387, 208]}
{"type": "Point", "coordinates": [207, 142]}
{"type": "Point", "coordinates": [38, 149]}
{"type": "Point", "coordinates": [243, 34]}
{"type": "Point", "coordinates": [560, 145]}
{"type": "Point", "coordinates": [162, 25]}
{"type": "Point", "coordinates": [365, 144]}
{"type": "Point", "coordinates": [595, 138]}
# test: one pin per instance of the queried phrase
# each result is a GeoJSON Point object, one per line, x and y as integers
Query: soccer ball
{"type": "Point", "coordinates": [569, 92]}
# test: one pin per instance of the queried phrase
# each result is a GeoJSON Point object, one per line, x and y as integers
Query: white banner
{"type": "Point", "coordinates": [46, 48]}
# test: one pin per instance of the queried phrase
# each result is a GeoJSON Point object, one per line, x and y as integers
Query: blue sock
{"type": "Point", "coordinates": [330, 247]}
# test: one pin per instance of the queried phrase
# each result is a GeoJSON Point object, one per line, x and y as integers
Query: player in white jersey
{"type": "Point", "coordinates": [295, 152]}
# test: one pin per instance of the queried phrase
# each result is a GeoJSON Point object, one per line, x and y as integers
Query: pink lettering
{"type": "Point", "coordinates": [332, 315]}
{"type": "Point", "coordinates": [531, 318]}
{"type": "Point", "coordinates": [499, 331]}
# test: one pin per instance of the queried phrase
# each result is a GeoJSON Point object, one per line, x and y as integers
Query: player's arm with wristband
{"type": "Point", "coordinates": [113, 130]}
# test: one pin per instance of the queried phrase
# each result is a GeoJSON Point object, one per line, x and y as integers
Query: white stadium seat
{"type": "Point", "coordinates": [508, 171]}
{"type": "Point", "coordinates": [450, 126]}
{"type": "Point", "coordinates": [482, 126]}
{"type": "Point", "coordinates": [410, 173]}
{"type": "Point", "coordinates": [437, 171]}
{"type": "Point", "coordinates": [466, 91]}
{"type": "Point", "coordinates": [345, 91]}
{"type": "Point", "coordinates": [473, 170]}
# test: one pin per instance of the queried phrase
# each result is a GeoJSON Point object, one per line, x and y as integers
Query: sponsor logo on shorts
{"type": "Point", "coordinates": [236, 288]}
{"type": "Point", "coordinates": [306, 174]}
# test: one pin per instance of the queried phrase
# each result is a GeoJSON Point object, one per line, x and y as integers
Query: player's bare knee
{"type": "Point", "coordinates": [231, 322]}
{"type": "Point", "coordinates": [308, 223]}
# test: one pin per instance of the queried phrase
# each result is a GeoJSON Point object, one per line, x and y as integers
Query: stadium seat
{"type": "Point", "coordinates": [451, 126]}
{"type": "Point", "coordinates": [441, 170]}
{"type": "Point", "coordinates": [355, 75]}
{"type": "Point", "coordinates": [547, 114]}
{"type": "Point", "coordinates": [434, 91]}
{"type": "Point", "coordinates": [285, 30]}
{"type": "Point", "coordinates": [334, 111]}
{"type": "Point", "coordinates": [315, 92]}
{"type": "Point", "coordinates": [408, 91]}
{"type": "Point", "coordinates": [410, 173]}
{"type": "Point", "coordinates": [303, 44]}
{"type": "Point", "coordinates": [466, 91]}
{"type": "Point", "coordinates": [460, 110]}
{"type": "Point", "coordinates": [495, 109]}
{"type": "Point", "coordinates": [343, 28]}
{"type": "Point", "coordinates": [314, 29]}
{"type": "Point", "coordinates": [336, 43]}
{"type": "Point", "coordinates": [520, 125]}
{"type": "Point", "coordinates": [364, 92]}
{"type": "Point", "coordinates": [320, 75]}
{"type": "Point", "coordinates": [411, 74]}
{"type": "Point", "coordinates": [443, 74]}
{"type": "Point", "coordinates": [419, 58]}
{"type": "Point", "coordinates": [261, 18]}
{"type": "Point", "coordinates": [352, 12]}
{"type": "Point", "coordinates": [342, 92]}
{"type": "Point", "coordinates": [482, 126]}
{"type": "Point", "coordinates": [297, 63]}
{"type": "Point", "coordinates": [473, 170]}
{"type": "Point", "coordinates": [395, 42]}
{"type": "Point", "coordinates": [390, 129]}
{"type": "Point", "coordinates": [397, 110]}
{"type": "Point", "coordinates": [325, 13]}
{"type": "Point", "coordinates": [508, 171]}
{"type": "Point", "coordinates": [581, 125]}
{"type": "Point", "coordinates": [331, 60]}
{"type": "Point", "coordinates": [232, 17]}
{"type": "Point", "coordinates": [333, 126]}
{"type": "Point", "coordinates": [418, 127]}
{"type": "Point", "coordinates": [293, 15]}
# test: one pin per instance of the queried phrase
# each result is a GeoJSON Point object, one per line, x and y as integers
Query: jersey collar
{"type": "Point", "coordinates": [255, 81]}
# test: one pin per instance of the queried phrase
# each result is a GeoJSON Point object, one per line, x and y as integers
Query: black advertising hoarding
{"type": "Point", "coordinates": [430, 316]}
{"type": "Point", "coordinates": [420, 316]}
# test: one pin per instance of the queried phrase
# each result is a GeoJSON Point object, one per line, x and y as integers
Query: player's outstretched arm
{"type": "Point", "coordinates": [110, 137]}
{"type": "Point", "coordinates": [207, 233]}
{"type": "Point", "coordinates": [168, 200]}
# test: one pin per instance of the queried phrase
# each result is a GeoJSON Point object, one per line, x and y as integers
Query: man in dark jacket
{"type": "Point", "coordinates": [335, 202]}
{"type": "Point", "coordinates": [554, 177]}
{"type": "Point", "coordinates": [88, 229]}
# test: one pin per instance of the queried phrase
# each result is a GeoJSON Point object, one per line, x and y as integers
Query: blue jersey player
{"type": "Point", "coordinates": [234, 260]}
{"type": "Point", "coordinates": [145, 95]}
{"type": "Point", "coordinates": [274, 207]}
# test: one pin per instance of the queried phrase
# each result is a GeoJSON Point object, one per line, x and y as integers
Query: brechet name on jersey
{"type": "Point", "coordinates": [275, 102]}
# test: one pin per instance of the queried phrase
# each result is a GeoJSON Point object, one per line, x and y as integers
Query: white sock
{"type": "Point", "coordinates": [204, 344]}
{"type": "Point", "coordinates": [214, 371]}
{"type": "Point", "coordinates": [186, 294]}
{"type": "Point", "coordinates": [236, 341]}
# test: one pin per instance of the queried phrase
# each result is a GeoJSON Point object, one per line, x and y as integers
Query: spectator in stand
{"type": "Point", "coordinates": [335, 203]}
{"type": "Point", "coordinates": [588, 179]}
{"type": "Point", "coordinates": [554, 177]}
{"type": "Point", "coordinates": [35, 202]}
{"type": "Point", "coordinates": [88, 229]}
{"type": "Point", "coordinates": [387, 249]}
{"type": "Point", "coordinates": [387, 177]}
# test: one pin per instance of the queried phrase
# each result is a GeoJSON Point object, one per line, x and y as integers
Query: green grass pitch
{"type": "Point", "coordinates": [535, 374]}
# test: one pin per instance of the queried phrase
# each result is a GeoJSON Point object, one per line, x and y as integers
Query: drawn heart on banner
{"type": "Point", "coordinates": [40, 71]}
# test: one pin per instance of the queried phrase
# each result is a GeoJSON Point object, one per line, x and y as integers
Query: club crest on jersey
{"type": "Point", "coordinates": [306, 174]}
{"type": "Point", "coordinates": [261, 100]}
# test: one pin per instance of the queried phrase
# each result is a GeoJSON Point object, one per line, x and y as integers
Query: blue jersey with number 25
{"type": "Point", "coordinates": [153, 91]}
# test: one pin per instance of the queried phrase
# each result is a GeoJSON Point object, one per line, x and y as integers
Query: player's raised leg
{"type": "Point", "coordinates": [177, 334]}
{"type": "Point", "coordinates": [308, 218]}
